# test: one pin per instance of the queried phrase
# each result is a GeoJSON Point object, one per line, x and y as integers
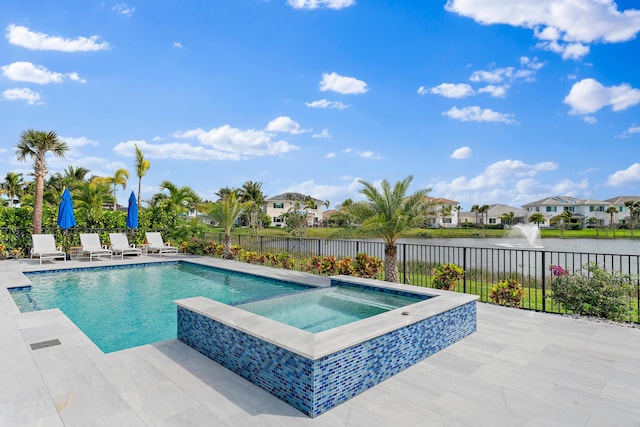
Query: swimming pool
{"type": "Point", "coordinates": [125, 307]}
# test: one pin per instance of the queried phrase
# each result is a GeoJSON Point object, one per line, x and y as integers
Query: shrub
{"type": "Point", "coordinates": [366, 266]}
{"type": "Point", "coordinates": [507, 292]}
{"type": "Point", "coordinates": [599, 292]}
{"type": "Point", "coordinates": [345, 266]}
{"type": "Point", "coordinates": [447, 276]}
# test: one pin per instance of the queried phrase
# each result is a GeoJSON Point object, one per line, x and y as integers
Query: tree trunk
{"type": "Point", "coordinates": [391, 263]}
{"type": "Point", "coordinates": [139, 185]}
{"type": "Point", "coordinates": [227, 246]}
{"type": "Point", "coordinates": [37, 205]}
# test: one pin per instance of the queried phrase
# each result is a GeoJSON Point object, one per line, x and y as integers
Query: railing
{"type": "Point", "coordinates": [483, 266]}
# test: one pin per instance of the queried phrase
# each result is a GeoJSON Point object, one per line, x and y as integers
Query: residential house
{"type": "Point", "coordinates": [582, 209]}
{"type": "Point", "coordinates": [277, 205]}
{"type": "Point", "coordinates": [445, 212]}
{"type": "Point", "coordinates": [494, 214]}
{"type": "Point", "coordinates": [623, 215]}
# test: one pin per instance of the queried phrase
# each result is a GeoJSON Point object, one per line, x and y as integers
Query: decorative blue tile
{"type": "Point", "coordinates": [315, 386]}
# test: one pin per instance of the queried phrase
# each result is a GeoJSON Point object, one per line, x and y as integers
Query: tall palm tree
{"type": "Point", "coordinates": [253, 198]}
{"type": "Point", "coordinates": [120, 178]}
{"type": "Point", "coordinates": [225, 212]}
{"type": "Point", "coordinates": [476, 209]}
{"type": "Point", "coordinates": [484, 210]}
{"type": "Point", "coordinates": [457, 210]}
{"type": "Point", "coordinates": [13, 186]}
{"type": "Point", "coordinates": [388, 213]}
{"type": "Point", "coordinates": [142, 166]}
{"type": "Point", "coordinates": [35, 145]}
{"type": "Point", "coordinates": [612, 210]}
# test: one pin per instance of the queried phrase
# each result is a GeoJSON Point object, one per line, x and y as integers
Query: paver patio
{"type": "Point", "coordinates": [520, 368]}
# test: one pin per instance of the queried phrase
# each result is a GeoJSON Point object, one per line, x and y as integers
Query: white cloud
{"type": "Point", "coordinates": [173, 150]}
{"type": "Point", "coordinates": [626, 176]}
{"type": "Point", "coordinates": [322, 135]}
{"type": "Point", "coordinates": [477, 114]}
{"type": "Point", "coordinates": [330, 156]}
{"type": "Point", "coordinates": [590, 119]}
{"type": "Point", "coordinates": [314, 4]}
{"type": "Point", "coordinates": [23, 94]}
{"type": "Point", "coordinates": [563, 26]}
{"type": "Point", "coordinates": [284, 124]}
{"type": "Point", "coordinates": [632, 130]}
{"type": "Point", "coordinates": [449, 90]}
{"type": "Point", "coordinates": [123, 9]}
{"type": "Point", "coordinates": [178, 45]}
{"type": "Point", "coordinates": [23, 37]}
{"type": "Point", "coordinates": [495, 91]}
{"type": "Point", "coordinates": [342, 84]}
{"type": "Point", "coordinates": [507, 181]}
{"type": "Point", "coordinates": [461, 153]}
{"type": "Point", "coordinates": [231, 142]}
{"type": "Point", "coordinates": [492, 76]}
{"type": "Point", "coordinates": [367, 154]}
{"type": "Point", "coordinates": [588, 96]}
{"type": "Point", "coordinates": [28, 72]}
{"type": "Point", "coordinates": [323, 103]}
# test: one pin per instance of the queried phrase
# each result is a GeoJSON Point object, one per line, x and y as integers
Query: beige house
{"type": "Point", "coordinates": [494, 216]}
{"type": "Point", "coordinates": [277, 205]}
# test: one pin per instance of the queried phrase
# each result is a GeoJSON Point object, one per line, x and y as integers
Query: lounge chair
{"type": "Point", "coordinates": [91, 246]}
{"type": "Point", "coordinates": [120, 245]}
{"type": "Point", "coordinates": [156, 244]}
{"type": "Point", "coordinates": [44, 247]}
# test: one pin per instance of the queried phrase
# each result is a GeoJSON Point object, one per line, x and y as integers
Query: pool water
{"type": "Point", "coordinates": [127, 307]}
{"type": "Point", "coordinates": [324, 309]}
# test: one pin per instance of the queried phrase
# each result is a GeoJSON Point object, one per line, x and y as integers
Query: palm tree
{"type": "Point", "coordinates": [612, 210]}
{"type": "Point", "coordinates": [564, 218]}
{"type": "Point", "coordinates": [142, 166]}
{"type": "Point", "coordinates": [253, 198]}
{"type": "Point", "coordinates": [507, 218]}
{"type": "Point", "coordinates": [225, 191]}
{"type": "Point", "coordinates": [13, 186]}
{"type": "Point", "coordinates": [120, 178]}
{"type": "Point", "coordinates": [180, 199]}
{"type": "Point", "coordinates": [536, 218]}
{"type": "Point", "coordinates": [388, 213]}
{"type": "Point", "coordinates": [90, 197]}
{"type": "Point", "coordinates": [225, 212]}
{"type": "Point", "coordinates": [457, 210]}
{"type": "Point", "coordinates": [35, 145]}
{"type": "Point", "coordinates": [634, 212]}
{"type": "Point", "coordinates": [484, 210]}
{"type": "Point", "coordinates": [476, 209]}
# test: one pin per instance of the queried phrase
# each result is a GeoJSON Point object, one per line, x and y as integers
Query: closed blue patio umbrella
{"type": "Point", "coordinates": [66, 219]}
{"type": "Point", "coordinates": [132, 212]}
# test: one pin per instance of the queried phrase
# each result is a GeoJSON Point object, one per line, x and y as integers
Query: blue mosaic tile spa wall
{"type": "Point", "coordinates": [315, 386]}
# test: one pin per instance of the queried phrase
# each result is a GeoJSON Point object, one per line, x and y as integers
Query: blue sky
{"type": "Point", "coordinates": [492, 101]}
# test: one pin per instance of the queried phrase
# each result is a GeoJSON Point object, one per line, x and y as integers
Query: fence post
{"type": "Point", "coordinates": [260, 243]}
{"type": "Point", "coordinates": [464, 268]}
{"type": "Point", "coordinates": [544, 289]}
{"type": "Point", "coordinates": [319, 247]}
{"type": "Point", "coordinates": [404, 262]}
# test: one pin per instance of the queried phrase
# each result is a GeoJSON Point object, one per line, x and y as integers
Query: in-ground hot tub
{"type": "Point", "coordinates": [314, 372]}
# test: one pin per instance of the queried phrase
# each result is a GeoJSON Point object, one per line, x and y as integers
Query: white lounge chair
{"type": "Point", "coordinates": [120, 245]}
{"type": "Point", "coordinates": [91, 246]}
{"type": "Point", "coordinates": [156, 244]}
{"type": "Point", "coordinates": [44, 247]}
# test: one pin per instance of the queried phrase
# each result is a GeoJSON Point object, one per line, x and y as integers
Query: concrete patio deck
{"type": "Point", "coordinates": [520, 368]}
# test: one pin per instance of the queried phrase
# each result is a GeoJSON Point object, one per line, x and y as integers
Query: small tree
{"type": "Point", "coordinates": [225, 212]}
{"type": "Point", "coordinates": [537, 218]}
{"type": "Point", "coordinates": [612, 210]}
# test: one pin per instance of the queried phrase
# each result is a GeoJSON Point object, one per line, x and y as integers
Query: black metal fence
{"type": "Point", "coordinates": [483, 266]}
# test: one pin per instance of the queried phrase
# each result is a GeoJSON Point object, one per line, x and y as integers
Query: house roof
{"type": "Point", "coordinates": [440, 201]}
{"type": "Point", "coordinates": [565, 201]}
{"type": "Point", "coordinates": [620, 200]}
{"type": "Point", "coordinates": [293, 197]}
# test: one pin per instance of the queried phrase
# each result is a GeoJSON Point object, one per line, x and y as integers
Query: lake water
{"type": "Point", "coordinates": [601, 246]}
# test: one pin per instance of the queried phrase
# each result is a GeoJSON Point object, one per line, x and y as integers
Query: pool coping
{"type": "Point", "coordinates": [317, 345]}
